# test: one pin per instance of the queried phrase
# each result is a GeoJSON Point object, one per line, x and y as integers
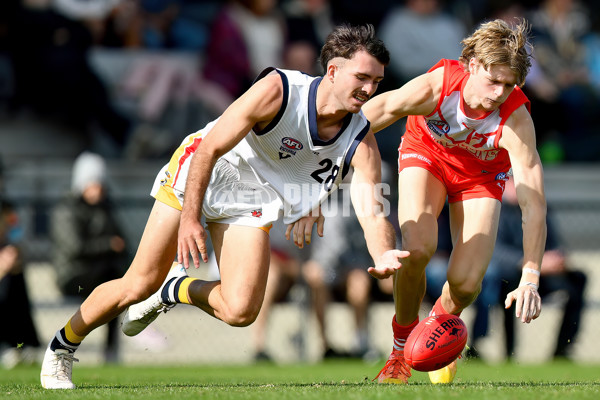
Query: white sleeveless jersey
{"type": "Point", "coordinates": [284, 169]}
{"type": "Point", "coordinates": [288, 155]}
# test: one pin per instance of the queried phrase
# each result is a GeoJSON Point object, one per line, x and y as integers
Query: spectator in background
{"type": "Point", "coordinates": [162, 80]}
{"type": "Point", "coordinates": [359, 11]}
{"type": "Point", "coordinates": [158, 21]}
{"type": "Point", "coordinates": [504, 273]}
{"type": "Point", "coordinates": [592, 46]}
{"type": "Point", "coordinates": [564, 103]}
{"type": "Point", "coordinates": [18, 339]}
{"type": "Point", "coordinates": [308, 22]}
{"type": "Point", "coordinates": [158, 24]}
{"type": "Point", "coordinates": [88, 246]}
{"type": "Point", "coordinates": [49, 50]}
{"type": "Point", "coordinates": [18, 336]}
{"type": "Point", "coordinates": [246, 37]}
{"type": "Point", "coordinates": [419, 34]}
{"type": "Point", "coordinates": [7, 11]}
{"type": "Point", "coordinates": [337, 270]}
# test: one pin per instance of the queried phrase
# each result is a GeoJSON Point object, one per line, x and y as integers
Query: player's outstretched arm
{"type": "Point", "coordinates": [417, 97]}
{"type": "Point", "coordinates": [518, 138]}
{"type": "Point", "coordinates": [372, 209]}
{"type": "Point", "coordinates": [254, 109]}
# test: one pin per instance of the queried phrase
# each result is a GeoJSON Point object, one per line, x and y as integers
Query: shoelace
{"type": "Point", "coordinates": [153, 313]}
{"type": "Point", "coordinates": [63, 365]}
{"type": "Point", "coordinates": [395, 366]}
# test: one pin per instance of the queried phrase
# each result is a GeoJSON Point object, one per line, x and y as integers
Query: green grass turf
{"type": "Point", "coordinates": [329, 380]}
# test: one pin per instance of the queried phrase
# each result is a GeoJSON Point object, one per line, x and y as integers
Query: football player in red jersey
{"type": "Point", "coordinates": [468, 126]}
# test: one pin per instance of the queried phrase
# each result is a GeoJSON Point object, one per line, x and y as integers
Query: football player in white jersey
{"type": "Point", "coordinates": [230, 181]}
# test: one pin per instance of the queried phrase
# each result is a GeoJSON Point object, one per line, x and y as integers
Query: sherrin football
{"type": "Point", "coordinates": [435, 342]}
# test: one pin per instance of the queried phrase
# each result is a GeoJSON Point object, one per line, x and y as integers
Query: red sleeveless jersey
{"type": "Point", "coordinates": [468, 145]}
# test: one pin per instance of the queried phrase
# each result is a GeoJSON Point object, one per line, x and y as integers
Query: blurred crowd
{"type": "Point", "coordinates": [45, 67]}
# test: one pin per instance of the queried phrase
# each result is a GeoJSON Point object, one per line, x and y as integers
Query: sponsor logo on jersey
{"type": "Point", "coordinates": [438, 127]}
{"type": "Point", "coordinates": [417, 156]}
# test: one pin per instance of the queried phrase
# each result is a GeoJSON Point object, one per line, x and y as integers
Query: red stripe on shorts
{"type": "Point", "coordinates": [188, 151]}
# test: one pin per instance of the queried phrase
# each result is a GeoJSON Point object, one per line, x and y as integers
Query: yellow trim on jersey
{"type": "Point", "coordinates": [71, 336]}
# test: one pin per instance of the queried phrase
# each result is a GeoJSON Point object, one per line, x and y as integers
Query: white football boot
{"type": "Point", "coordinates": [57, 368]}
{"type": "Point", "coordinates": [142, 314]}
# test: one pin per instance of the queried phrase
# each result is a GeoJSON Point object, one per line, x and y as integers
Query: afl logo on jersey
{"type": "Point", "coordinates": [438, 127]}
{"type": "Point", "coordinates": [291, 143]}
{"type": "Point", "coordinates": [502, 176]}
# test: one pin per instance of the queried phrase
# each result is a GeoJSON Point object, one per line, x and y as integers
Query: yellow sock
{"type": "Point", "coordinates": [71, 336]}
{"type": "Point", "coordinates": [182, 290]}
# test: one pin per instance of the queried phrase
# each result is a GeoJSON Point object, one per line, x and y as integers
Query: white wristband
{"type": "Point", "coordinates": [531, 271]}
{"type": "Point", "coordinates": [529, 284]}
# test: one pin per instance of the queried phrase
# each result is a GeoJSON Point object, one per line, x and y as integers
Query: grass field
{"type": "Point", "coordinates": [329, 380]}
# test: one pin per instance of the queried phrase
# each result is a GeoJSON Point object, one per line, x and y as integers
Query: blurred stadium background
{"type": "Point", "coordinates": [38, 156]}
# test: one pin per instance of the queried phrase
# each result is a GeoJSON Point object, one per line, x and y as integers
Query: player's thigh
{"type": "Point", "coordinates": [242, 254]}
{"type": "Point", "coordinates": [421, 197]}
{"type": "Point", "coordinates": [474, 227]}
{"type": "Point", "coordinates": [158, 247]}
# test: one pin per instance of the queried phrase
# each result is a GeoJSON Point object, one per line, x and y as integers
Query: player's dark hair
{"type": "Point", "coordinates": [345, 40]}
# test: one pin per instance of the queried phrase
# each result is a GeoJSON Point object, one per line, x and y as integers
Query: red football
{"type": "Point", "coordinates": [435, 342]}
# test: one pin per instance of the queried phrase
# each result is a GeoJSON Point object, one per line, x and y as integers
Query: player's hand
{"type": "Point", "coordinates": [301, 230]}
{"type": "Point", "coordinates": [388, 263]}
{"type": "Point", "coordinates": [191, 239]}
{"type": "Point", "coordinates": [528, 304]}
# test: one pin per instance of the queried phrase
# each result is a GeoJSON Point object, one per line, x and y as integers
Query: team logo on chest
{"type": "Point", "coordinates": [438, 127]}
{"type": "Point", "coordinates": [289, 147]}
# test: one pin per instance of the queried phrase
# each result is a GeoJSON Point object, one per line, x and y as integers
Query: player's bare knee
{"type": "Point", "coordinates": [137, 290]}
{"type": "Point", "coordinates": [464, 294]}
{"type": "Point", "coordinates": [240, 315]}
{"type": "Point", "coordinates": [418, 260]}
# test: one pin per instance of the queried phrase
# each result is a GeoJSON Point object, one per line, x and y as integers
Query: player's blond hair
{"type": "Point", "coordinates": [497, 42]}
